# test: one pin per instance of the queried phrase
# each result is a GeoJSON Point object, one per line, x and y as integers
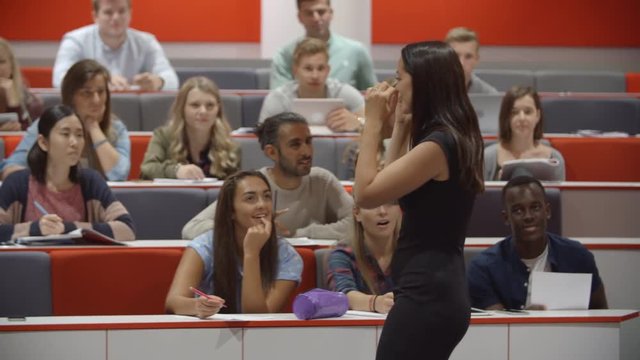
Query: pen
{"type": "Point", "coordinates": [199, 292]}
{"type": "Point", "coordinates": [40, 208]}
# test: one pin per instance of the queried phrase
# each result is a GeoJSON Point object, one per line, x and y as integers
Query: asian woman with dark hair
{"type": "Point", "coordinates": [54, 195]}
{"type": "Point", "coordinates": [434, 169]}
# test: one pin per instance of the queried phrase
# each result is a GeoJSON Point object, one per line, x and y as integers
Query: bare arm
{"type": "Point", "coordinates": [365, 302]}
{"type": "Point", "coordinates": [180, 300]}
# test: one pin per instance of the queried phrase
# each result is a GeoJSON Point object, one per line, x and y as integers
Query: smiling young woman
{"type": "Point", "coordinates": [241, 261]}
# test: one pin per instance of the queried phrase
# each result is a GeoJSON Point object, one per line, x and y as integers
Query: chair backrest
{"type": "Point", "coordinates": [50, 99]}
{"type": "Point", "coordinates": [232, 105]}
{"type": "Point", "coordinates": [212, 195]}
{"type": "Point", "coordinates": [503, 80]}
{"type": "Point", "coordinates": [225, 78]}
{"type": "Point", "coordinates": [383, 74]}
{"type": "Point", "coordinates": [126, 107]}
{"type": "Point", "coordinates": [322, 266]}
{"type": "Point", "coordinates": [25, 284]}
{"type": "Point", "coordinates": [251, 106]}
{"type": "Point", "coordinates": [487, 107]}
{"type": "Point", "coordinates": [263, 76]}
{"type": "Point", "coordinates": [580, 81]}
{"type": "Point", "coordinates": [253, 158]}
{"type": "Point", "coordinates": [324, 153]}
{"type": "Point", "coordinates": [131, 281]}
{"type": "Point", "coordinates": [487, 221]}
{"type": "Point", "coordinates": [161, 213]}
{"type": "Point", "coordinates": [344, 166]}
{"type": "Point", "coordinates": [568, 115]}
{"type": "Point", "coordinates": [154, 109]}
{"type": "Point", "coordinates": [308, 280]}
{"type": "Point", "coordinates": [600, 159]}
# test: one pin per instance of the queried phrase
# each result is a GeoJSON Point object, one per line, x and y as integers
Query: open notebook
{"type": "Point", "coordinates": [75, 237]}
{"type": "Point", "coordinates": [541, 169]}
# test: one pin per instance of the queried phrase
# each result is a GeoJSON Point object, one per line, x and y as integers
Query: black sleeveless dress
{"type": "Point", "coordinates": [432, 310]}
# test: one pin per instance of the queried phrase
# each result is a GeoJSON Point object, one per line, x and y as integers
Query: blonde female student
{"type": "Point", "coordinates": [15, 97]}
{"type": "Point", "coordinates": [240, 266]}
{"type": "Point", "coordinates": [197, 141]}
{"type": "Point", "coordinates": [55, 195]}
{"type": "Point", "coordinates": [362, 271]}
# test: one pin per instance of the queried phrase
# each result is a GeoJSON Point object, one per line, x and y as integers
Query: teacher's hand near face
{"type": "Point", "coordinates": [256, 237]}
{"type": "Point", "coordinates": [380, 106]}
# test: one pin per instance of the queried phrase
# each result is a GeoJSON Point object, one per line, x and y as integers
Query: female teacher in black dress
{"type": "Point", "coordinates": [434, 167]}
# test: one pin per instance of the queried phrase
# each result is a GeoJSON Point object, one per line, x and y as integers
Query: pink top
{"type": "Point", "coordinates": [68, 204]}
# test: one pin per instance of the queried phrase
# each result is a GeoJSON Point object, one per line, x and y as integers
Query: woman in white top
{"type": "Point", "coordinates": [520, 134]}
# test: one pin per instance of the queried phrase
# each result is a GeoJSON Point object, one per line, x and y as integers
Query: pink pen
{"type": "Point", "coordinates": [199, 292]}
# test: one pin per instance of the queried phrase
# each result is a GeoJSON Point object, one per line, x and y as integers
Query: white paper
{"type": "Point", "coordinates": [305, 241]}
{"type": "Point", "coordinates": [184, 181]}
{"type": "Point", "coordinates": [561, 291]}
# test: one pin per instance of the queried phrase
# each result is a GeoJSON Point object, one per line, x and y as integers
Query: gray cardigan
{"type": "Point", "coordinates": [491, 163]}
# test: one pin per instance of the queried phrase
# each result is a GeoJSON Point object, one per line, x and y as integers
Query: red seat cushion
{"type": "Point", "coordinates": [308, 281]}
{"type": "Point", "coordinates": [112, 282]}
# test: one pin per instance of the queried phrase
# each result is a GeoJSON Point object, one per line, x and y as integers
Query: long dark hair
{"type": "Point", "coordinates": [509, 99]}
{"type": "Point", "coordinates": [440, 102]}
{"type": "Point", "coordinates": [78, 75]}
{"type": "Point", "coordinates": [225, 257]}
{"type": "Point", "coordinates": [37, 158]}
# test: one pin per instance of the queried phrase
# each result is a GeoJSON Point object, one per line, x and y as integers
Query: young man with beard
{"type": "Point", "coordinates": [499, 277]}
{"type": "Point", "coordinates": [317, 206]}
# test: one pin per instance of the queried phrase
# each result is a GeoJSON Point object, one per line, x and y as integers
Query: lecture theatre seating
{"type": "Point", "coordinates": [568, 115]}
{"type": "Point", "coordinates": [25, 284]}
{"type": "Point", "coordinates": [580, 81]}
{"type": "Point", "coordinates": [503, 80]}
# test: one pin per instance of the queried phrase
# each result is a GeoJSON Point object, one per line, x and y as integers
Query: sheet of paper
{"type": "Point", "coordinates": [184, 181]}
{"type": "Point", "coordinates": [561, 291]}
{"type": "Point", "coordinates": [304, 241]}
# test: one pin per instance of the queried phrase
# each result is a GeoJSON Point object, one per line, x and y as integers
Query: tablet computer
{"type": "Point", "coordinates": [541, 169]}
{"type": "Point", "coordinates": [315, 111]}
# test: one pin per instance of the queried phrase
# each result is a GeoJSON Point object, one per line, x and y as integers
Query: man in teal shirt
{"type": "Point", "coordinates": [349, 59]}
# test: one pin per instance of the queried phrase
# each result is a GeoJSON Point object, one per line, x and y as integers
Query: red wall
{"type": "Point", "coordinates": [509, 22]}
{"type": "Point", "coordinates": [499, 22]}
{"type": "Point", "coordinates": [169, 20]}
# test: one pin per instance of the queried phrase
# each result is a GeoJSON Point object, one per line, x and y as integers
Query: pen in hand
{"type": "Point", "coordinates": [40, 208]}
{"type": "Point", "coordinates": [199, 292]}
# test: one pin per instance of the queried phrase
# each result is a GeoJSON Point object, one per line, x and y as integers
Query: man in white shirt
{"type": "Point", "coordinates": [465, 43]}
{"type": "Point", "coordinates": [134, 58]}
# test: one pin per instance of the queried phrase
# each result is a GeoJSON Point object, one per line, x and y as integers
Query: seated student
{"type": "Point", "coordinates": [350, 60]}
{"type": "Point", "coordinates": [499, 276]}
{"type": "Point", "coordinates": [55, 195]}
{"type": "Point", "coordinates": [107, 149]}
{"type": "Point", "coordinates": [520, 134]}
{"type": "Point", "coordinates": [464, 42]}
{"type": "Point", "coordinates": [14, 95]}
{"type": "Point", "coordinates": [311, 72]}
{"type": "Point", "coordinates": [362, 271]}
{"type": "Point", "coordinates": [247, 267]}
{"type": "Point", "coordinates": [318, 206]}
{"type": "Point", "coordinates": [197, 141]}
{"type": "Point", "coordinates": [133, 57]}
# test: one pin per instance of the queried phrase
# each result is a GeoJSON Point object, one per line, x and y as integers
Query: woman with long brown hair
{"type": "Point", "coordinates": [434, 169]}
{"type": "Point", "coordinates": [241, 261]}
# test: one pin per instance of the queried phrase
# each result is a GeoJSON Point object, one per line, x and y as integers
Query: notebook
{"type": "Point", "coordinates": [75, 237]}
{"type": "Point", "coordinates": [11, 116]}
{"type": "Point", "coordinates": [541, 169]}
{"type": "Point", "coordinates": [315, 111]}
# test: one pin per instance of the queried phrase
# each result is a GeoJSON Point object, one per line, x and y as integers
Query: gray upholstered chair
{"type": "Point", "coordinates": [126, 107]}
{"type": "Point", "coordinates": [154, 109]}
{"type": "Point", "coordinates": [264, 78]}
{"type": "Point", "coordinates": [568, 115]}
{"type": "Point", "coordinates": [232, 106]}
{"type": "Point", "coordinates": [503, 80]}
{"type": "Point", "coordinates": [322, 265]}
{"type": "Point", "coordinates": [25, 284]}
{"type": "Point", "coordinates": [225, 78]}
{"type": "Point", "coordinates": [251, 106]}
{"type": "Point", "coordinates": [580, 81]}
{"type": "Point", "coordinates": [487, 221]}
{"type": "Point", "coordinates": [487, 107]}
{"type": "Point", "coordinates": [161, 213]}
